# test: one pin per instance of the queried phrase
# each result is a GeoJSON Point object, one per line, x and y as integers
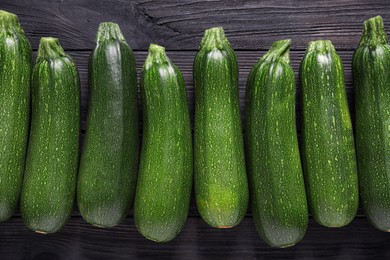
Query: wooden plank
{"type": "Point", "coordinates": [179, 24]}
{"type": "Point", "coordinates": [79, 240]}
{"type": "Point", "coordinates": [184, 60]}
{"type": "Point", "coordinates": [251, 27]}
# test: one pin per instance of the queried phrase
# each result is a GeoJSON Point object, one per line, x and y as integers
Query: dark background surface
{"type": "Point", "coordinates": [251, 27]}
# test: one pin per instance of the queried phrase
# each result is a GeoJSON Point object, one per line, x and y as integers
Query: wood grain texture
{"type": "Point", "coordinates": [251, 27]}
{"type": "Point", "coordinates": [179, 24]}
{"type": "Point", "coordinates": [79, 240]}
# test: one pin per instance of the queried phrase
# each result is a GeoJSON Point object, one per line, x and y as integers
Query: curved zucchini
{"type": "Point", "coordinates": [109, 160]}
{"type": "Point", "coordinates": [329, 161]}
{"type": "Point", "coordinates": [371, 66]}
{"type": "Point", "coordinates": [221, 187]}
{"type": "Point", "coordinates": [52, 157]}
{"type": "Point", "coordinates": [274, 167]}
{"type": "Point", "coordinates": [15, 70]}
{"type": "Point", "coordinates": [165, 175]}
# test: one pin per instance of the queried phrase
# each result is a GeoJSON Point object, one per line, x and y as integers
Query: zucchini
{"type": "Point", "coordinates": [166, 166]}
{"type": "Point", "coordinates": [277, 187]}
{"type": "Point", "coordinates": [329, 162]}
{"type": "Point", "coordinates": [109, 160]}
{"type": "Point", "coordinates": [370, 69]}
{"type": "Point", "coordinates": [15, 70]}
{"type": "Point", "coordinates": [52, 156]}
{"type": "Point", "coordinates": [221, 187]}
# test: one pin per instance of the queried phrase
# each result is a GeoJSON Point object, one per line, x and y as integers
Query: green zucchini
{"type": "Point", "coordinates": [52, 156]}
{"type": "Point", "coordinates": [273, 162]}
{"type": "Point", "coordinates": [15, 70]}
{"type": "Point", "coordinates": [221, 187]}
{"type": "Point", "coordinates": [109, 160]}
{"type": "Point", "coordinates": [329, 162]}
{"type": "Point", "coordinates": [370, 69]}
{"type": "Point", "coordinates": [166, 166]}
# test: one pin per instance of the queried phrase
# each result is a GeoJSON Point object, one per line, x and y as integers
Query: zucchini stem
{"type": "Point", "coordinates": [325, 46]}
{"type": "Point", "coordinates": [50, 48]}
{"type": "Point", "coordinates": [279, 50]}
{"type": "Point", "coordinates": [156, 55]}
{"type": "Point", "coordinates": [373, 32]}
{"type": "Point", "coordinates": [109, 31]}
{"type": "Point", "coordinates": [214, 38]}
{"type": "Point", "coordinates": [9, 22]}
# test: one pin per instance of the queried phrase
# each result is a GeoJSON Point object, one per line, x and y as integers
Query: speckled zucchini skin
{"type": "Point", "coordinates": [221, 187]}
{"type": "Point", "coordinates": [166, 162]}
{"type": "Point", "coordinates": [277, 187]}
{"type": "Point", "coordinates": [15, 70]}
{"type": "Point", "coordinates": [329, 161]}
{"type": "Point", "coordinates": [371, 76]}
{"type": "Point", "coordinates": [52, 157]}
{"type": "Point", "coordinates": [109, 160]}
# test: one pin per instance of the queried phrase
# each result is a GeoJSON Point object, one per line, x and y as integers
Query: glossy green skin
{"type": "Point", "coordinates": [15, 70]}
{"type": "Point", "coordinates": [166, 162]}
{"type": "Point", "coordinates": [109, 161]}
{"type": "Point", "coordinates": [328, 147]}
{"type": "Point", "coordinates": [52, 158]}
{"type": "Point", "coordinates": [371, 66]}
{"type": "Point", "coordinates": [277, 187]}
{"type": "Point", "coordinates": [221, 187]}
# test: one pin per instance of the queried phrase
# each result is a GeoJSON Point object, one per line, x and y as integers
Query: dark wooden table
{"type": "Point", "coordinates": [251, 27]}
